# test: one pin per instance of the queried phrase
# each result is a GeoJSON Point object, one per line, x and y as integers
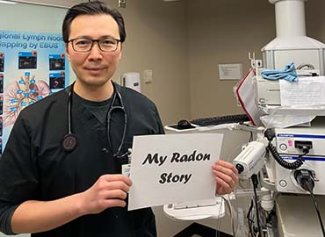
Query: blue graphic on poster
{"type": "Point", "coordinates": [32, 66]}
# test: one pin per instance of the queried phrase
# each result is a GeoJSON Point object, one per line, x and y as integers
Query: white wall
{"type": "Point", "coordinates": [222, 32]}
{"type": "Point", "coordinates": [157, 40]}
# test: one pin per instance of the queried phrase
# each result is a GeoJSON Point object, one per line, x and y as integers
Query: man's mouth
{"type": "Point", "coordinates": [94, 69]}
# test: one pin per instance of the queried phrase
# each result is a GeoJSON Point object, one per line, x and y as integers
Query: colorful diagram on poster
{"type": "Point", "coordinates": [32, 66]}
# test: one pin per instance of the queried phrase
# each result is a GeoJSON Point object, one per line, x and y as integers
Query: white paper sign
{"type": "Point", "coordinates": [306, 91]}
{"type": "Point", "coordinates": [173, 168]}
{"type": "Point", "coordinates": [230, 71]}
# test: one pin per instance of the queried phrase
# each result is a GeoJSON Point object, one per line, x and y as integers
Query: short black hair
{"type": "Point", "coordinates": [92, 8]}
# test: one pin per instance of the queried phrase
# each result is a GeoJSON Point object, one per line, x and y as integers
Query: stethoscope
{"type": "Point", "coordinates": [70, 142]}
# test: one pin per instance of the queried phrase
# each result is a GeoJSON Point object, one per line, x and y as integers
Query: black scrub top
{"type": "Point", "coordinates": [34, 165]}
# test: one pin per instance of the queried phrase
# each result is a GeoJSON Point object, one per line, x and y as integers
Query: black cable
{"type": "Point", "coordinates": [269, 217]}
{"type": "Point", "coordinates": [250, 221]}
{"type": "Point", "coordinates": [270, 134]}
{"type": "Point", "coordinates": [308, 66]}
{"type": "Point", "coordinates": [305, 179]}
{"type": "Point", "coordinates": [318, 213]}
{"type": "Point", "coordinates": [282, 162]}
{"type": "Point", "coordinates": [251, 136]}
{"type": "Point", "coordinates": [255, 183]}
{"type": "Point", "coordinates": [302, 155]}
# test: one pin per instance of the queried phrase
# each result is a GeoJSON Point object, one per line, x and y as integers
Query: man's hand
{"type": "Point", "coordinates": [108, 191]}
{"type": "Point", "coordinates": [38, 216]}
{"type": "Point", "coordinates": [226, 176]}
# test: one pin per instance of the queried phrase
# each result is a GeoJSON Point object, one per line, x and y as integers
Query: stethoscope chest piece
{"type": "Point", "coordinates": [69, 142]}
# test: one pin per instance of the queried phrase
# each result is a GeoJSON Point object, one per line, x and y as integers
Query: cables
{"type": "Point", "coordinates": [318, 213]}
{"type": "Point", "coordinates": [305, 179]}
{"type": "Point", "coordinates": [250, 220]}
{"type": "Point", "coordinates": [269, 134]}
{"type": "Point", "coordinates": [231, 212]}
{"type": "Point", "coordinates": [253, 230]}
{"type": "Point", "coordinates": [288, 165]}
{"type": "Point", "coordinates": [306, 66]}
{"type": "Point", "coordinates": [255, 183]}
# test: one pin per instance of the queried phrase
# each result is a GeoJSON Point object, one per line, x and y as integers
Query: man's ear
{"type": "Point", "coordinates": [121, 52]}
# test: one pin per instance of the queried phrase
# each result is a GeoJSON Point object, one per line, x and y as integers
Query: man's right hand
{"type": "Point", "coordinates": [109, 191]}
{"type": "Point", "coordinates": [37, 216]}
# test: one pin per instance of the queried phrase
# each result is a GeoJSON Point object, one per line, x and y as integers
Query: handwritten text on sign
{"type": "Point", "coordinates": [173, 168]}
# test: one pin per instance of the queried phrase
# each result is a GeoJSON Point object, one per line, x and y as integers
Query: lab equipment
{"type": "Point", "coordinates": [268, 91]}
{"type": "Point", "coordinates": [306, 142]}
{"type": "Point", "coordinates": [250, 161]}
{"type": "Point", "coordinates": [292, 160]}
{"type": "Point", "coordinates": [290, 46]}
{"type": "Point", "coordinates": [291, 43]}
{"type": "Point", "coordinates": [295, 155]}
{"type": "Point", "coordinates": [202, 209]}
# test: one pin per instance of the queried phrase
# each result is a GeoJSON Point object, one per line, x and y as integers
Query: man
{"type": "Point", "coordinates": [60, 174]}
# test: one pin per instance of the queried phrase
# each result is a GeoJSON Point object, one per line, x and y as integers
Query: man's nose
{"type": "Point", "coordinates": [95, 51]}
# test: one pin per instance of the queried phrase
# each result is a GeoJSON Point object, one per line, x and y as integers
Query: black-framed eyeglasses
{"type": "Point", "coordinates": [107, 44]}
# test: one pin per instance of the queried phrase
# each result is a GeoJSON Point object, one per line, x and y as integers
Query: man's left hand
{"type": "Point", "coordinates": [226, 176]}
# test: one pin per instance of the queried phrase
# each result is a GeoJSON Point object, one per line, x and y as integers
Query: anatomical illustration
{"type": "Point", "coordinates": [21, 93]}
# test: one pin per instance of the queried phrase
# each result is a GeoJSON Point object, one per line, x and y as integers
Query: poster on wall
{"type": "Point", "coordinates": [32, 66]}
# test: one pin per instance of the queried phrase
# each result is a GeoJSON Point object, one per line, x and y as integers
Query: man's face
{"type": "Point", "coordinates": [93, 68]}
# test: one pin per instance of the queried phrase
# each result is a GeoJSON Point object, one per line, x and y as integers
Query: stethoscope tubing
{"type": "Point", "coordinates": [70, 142]}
